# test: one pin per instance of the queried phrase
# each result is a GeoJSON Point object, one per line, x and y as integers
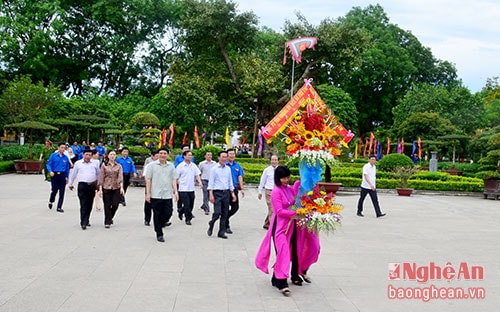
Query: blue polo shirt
{"type": "Point", "coordinates": [179, 158]}
{"type": "Point", "coordinates": [236, 171]}
{"type": "Point", "coordinates": [101, 150]}
{"type": "Point", "coordinates": [127, 164]}
{"type": "Point", "coordinates": [58, 163]}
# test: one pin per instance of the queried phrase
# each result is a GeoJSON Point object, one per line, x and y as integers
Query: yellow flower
{"type": "Point", "coordinates": [288, 140]}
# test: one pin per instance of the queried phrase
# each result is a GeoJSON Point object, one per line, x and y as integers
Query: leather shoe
{"type": "Point", "coordinates": [188, 222]}
{"type": "Point", "coordinates": [84, 227]}
{"type": "Point", "coordinates": [60, 210]}
{"type": "Point", "coordinates": [160, 239]}
{"type": "Point", "coordinates": [222, 236]}
{"type": "Point", "coordinates": [50, 205]}
{"type": "Point", "coordinates": [180, 216]}
{"type": "Point", "coordinates": [210, 228]}
{"type": "Point", "coordinates": [167, 224]}
{"type": "Point", "coordinates": [146, 223]}
{"type": "Point", "coordinates": [381, 215]}
{"type": "Point", "coordinates": [359, 214]}
{"type": "Point", "coordinates": [228, 231]}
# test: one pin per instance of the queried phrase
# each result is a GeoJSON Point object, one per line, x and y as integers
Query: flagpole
{"type": "Point", "coordinates": [293, 73]}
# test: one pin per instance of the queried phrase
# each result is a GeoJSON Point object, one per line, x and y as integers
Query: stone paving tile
{"type": "Point", "coordinates": [49, 264]}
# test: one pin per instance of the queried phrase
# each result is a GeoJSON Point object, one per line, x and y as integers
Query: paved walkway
{"type": "Point", "coordinates": [49, 264]}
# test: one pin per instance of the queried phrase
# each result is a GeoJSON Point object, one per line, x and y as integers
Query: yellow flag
{"type": "Point", "coordinates": [356, 151]}
{"type": "Point", "coordinates": [227, 137]}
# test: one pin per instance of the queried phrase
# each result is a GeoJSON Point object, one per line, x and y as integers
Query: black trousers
{"type": "Point", "coordinates": [234, 206]}
{"type": "Point", "coordinates": [374, 198]}
{"type": "Point", "coordinates": [58, 184]}
{"type": "Point", "coordinates": [221, 210]}
{"type": "Point", "coordinates": [111, 199]}
{"type": "Point", "coordinates": [187, 202]}
{"type": "Point", "coordinates": [86, 194]}
{"type": "Point", "coordinates": [162, 211]}
{"type": "Point", "coordinates": [126, 183]}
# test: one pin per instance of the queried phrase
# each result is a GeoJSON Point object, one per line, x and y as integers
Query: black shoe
{"type": "Point", "coordinates": [306, 279]}
{"type": "Point", "coordinates": [228, 231]}
{"type": "Point", "coordinates": [180, 216]}
{"type": "Point", "coordinates": [89, 225]}
{"type": "Point", "coordinates": [146, 223]}
{"type": "Point", "coordinates": [160, 239]}
{"type": "Point", "coordinates": [60, 210]}
{"type": "Point", "coordinates": [210, 228]}
{"type": "Point", "coordinates": [124, 204]}
{"type": "Point", "coordinates": [360, 214]}
{"type": "Point", "coordinates": [167, 224]}
{"type": "Point", "coordinates": [265, 227]}
{"type": "Point", "coordinates": [188, 222]}
{"type": "Point", "coordinates": [84, 227]}
{"type": "Point", "coordinates": [286, 292]}
{"type": "Point", "coordinates": [222, 236]}
{"type": "Point", "coordinates": [207, 213]}
{"type": "Point", "coordinates": [50, 205]}
{"type": "Point", "coordinates": [381, 215]}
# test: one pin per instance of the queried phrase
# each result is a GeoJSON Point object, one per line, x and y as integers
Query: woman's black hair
{"type": "Point", "coordinates": [280, 172]}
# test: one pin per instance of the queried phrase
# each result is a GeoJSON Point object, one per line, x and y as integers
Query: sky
{"type": "Point", "coordinates": [465, 33]}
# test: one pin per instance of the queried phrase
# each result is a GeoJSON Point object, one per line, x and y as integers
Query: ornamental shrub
{"type": "Point", "coordinates": [393, 161]}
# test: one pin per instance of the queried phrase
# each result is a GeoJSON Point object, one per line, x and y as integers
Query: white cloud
{"type": "Point", "coordinates": [462, 32]}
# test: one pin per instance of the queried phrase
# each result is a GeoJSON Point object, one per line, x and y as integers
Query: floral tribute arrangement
{"type": "Point", "coordinates": [313, 136]}
{"type": "Point", "coordinates": [318, 211]}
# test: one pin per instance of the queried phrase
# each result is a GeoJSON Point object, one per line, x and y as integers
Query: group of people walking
{"type": "Point", "coordinates": [165, 182]}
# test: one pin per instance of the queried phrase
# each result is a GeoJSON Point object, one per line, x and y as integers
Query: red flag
{"type": "Point", "coordinates": [244, 139]}
{"type": "Point", "coordinates": [375, 148]}
{"type": "Point", "coordinates": [402, 145]}
{"type": "Point", "coordinates": [366, 145]}
{"type": "Point", "coordinates": [388, 146]}
{"type": "Point", "coordinates": [185, 138]}
{"type": "Point", "coordinates": [196, 137]}
{"type": "Point", "coordinates": [163, 137]}
{"type": "Point", "coordinates": [171, 128]}
{"type": "Point", "coordinates": [298, 45]}
{"type": "Point", "coordinates": [372, 137]}
{"type": "Point", "coordinates": [419, 142]}
{"type": "Point", "coordinates": [360, 146]}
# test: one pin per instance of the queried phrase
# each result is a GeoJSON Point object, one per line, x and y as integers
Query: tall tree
{"type": "Point", "coordinates": [394, 61]}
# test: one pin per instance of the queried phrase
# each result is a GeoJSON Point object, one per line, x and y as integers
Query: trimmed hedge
{"type": "Point", "coordinates": [7, 166]}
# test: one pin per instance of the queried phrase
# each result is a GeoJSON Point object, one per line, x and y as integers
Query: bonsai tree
{"type": "Point", "coordinates": [403, 173]}
{"type": "Point", "coordinates": [23, 106]}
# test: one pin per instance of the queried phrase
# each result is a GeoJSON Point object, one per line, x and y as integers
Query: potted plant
{"type": "Point", "coordinates": [25, 105]}
{"type": "Point", "coordinates": [328, 185]}
{"type": "Point", "coordinates": [403, 173]}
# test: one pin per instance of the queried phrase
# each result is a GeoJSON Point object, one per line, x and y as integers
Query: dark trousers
{"type": "Point", "coordinates": [221, 210]}
{"type": "Point", "coordinates": [147, 211]}
{"type": "Point", "coordinates": [126, 183]}
{"type": "Point", "coordinates": [205, 205]}
{"type": "Point", "coordinates": [111, 199]}
{"type": "Point", "coordinates": [234, 206]}
{"type": "Point", "coordinates": [58, 184]}
{"type": "Point", "coordinates": [162, 211]}
{"type": "Point", "coordinates": [187, 202]}
{"type": "Point", "coordinates": [86, 194]}
{"type": "Point", "coordinates": [374, 198]}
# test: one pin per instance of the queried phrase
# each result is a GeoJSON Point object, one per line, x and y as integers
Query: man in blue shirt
{"type": "Point", "coordinates": [220, 188]}
{"type": "Point", "coordinates": [237, 176]}
{"type": "Point", "coordinates": [58, 168]}
{"type": "Point", "coordinates": [128, 169]}
{"type": "Point", "coordinates": [101, 150]}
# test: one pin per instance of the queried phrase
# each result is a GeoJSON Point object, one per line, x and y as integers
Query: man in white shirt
{"type": "Point", "coordinates": [368, 186]}
{"type": "Point", "coordinates": [205, 167]}
{"type": "Point", "coordinates": [86, 171]}
{"type": "Point", "coordinates": [188, 173]}
{"type": "Point", "coordinates": [267, 184]}
{"type": "Point", "coordinates": [147, 205]}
